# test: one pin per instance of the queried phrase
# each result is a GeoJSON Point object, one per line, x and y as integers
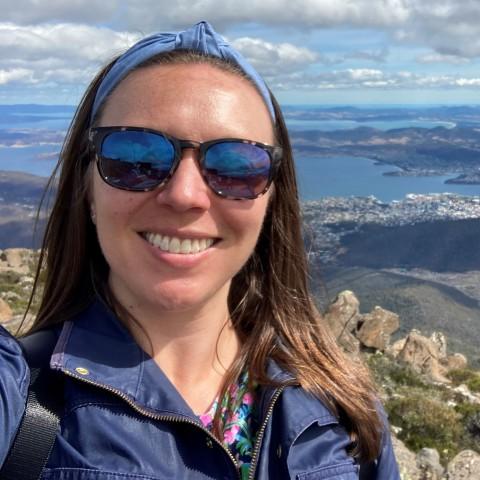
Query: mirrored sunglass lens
{"type": "Point", "coordinates": [136, 160]}
{"type": "Point", "coordinates": [237, 169]}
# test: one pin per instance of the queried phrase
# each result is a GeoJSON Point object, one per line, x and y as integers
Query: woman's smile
{"type": "Point", "coordinates": [173, 244]}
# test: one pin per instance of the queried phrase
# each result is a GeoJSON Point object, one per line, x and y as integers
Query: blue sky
{"type": "Point", "coordinates": [309, 51]}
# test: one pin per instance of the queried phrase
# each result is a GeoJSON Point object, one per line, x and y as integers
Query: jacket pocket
{"type": "Point", "coordinates": [341, 471]}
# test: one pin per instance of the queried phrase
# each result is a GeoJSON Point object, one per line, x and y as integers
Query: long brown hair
{"type": "Point", "coordinates": [269, 300]}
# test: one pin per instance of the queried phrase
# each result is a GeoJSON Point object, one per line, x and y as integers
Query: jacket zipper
{"type": "Point", "coordinates": [148, 414]}
{"type": "Point", "coordinates": [261, 432]}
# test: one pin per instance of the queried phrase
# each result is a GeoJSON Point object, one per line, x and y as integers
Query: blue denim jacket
{"type": "Point", "coordinates": [124, 420]}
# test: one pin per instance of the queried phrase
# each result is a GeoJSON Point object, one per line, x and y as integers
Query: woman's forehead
{"type": "Point", "coordinates": [161, 95]}
{"type": "Point", "coordinates": [167, 78]}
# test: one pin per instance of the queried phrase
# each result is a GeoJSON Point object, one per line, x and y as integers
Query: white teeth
{"type": "Point", "coordinates": [165, 241]}
{"type": "Point", "coordinates": [175, 245]}
{"type": "Point", "coordinates": [156, 241]}
{"type": "Point", "coordinates": [195, 246]}
{"type": "Point", "coordinates": [186, 246]}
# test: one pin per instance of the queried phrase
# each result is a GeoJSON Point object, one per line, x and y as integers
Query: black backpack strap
{"type": "Point", "coordinates": [36, 434]}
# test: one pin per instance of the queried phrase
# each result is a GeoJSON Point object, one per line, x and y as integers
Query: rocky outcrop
{"type": "Point", "coordinates": [375, 328]}
{"type": "Point", "coordinates": [426, 355]}
{"type": "Point", "coordinates": [16, 259]}
{"type": "Point", "coordinates": [354, 330]}
{"type": "Point", "coordinates": [440, 341]}
{"type": "Point", "coordinates": [425, 465]}
{"type": "Point", "coordinates": [342, 317]}
{"type": "Point", "coordinates": [6, 313]}
{"type": "Point", "coordinates": [16, 277]}
{"type": "Point", "coordinates": [457, 361]}
{"type": "Point", "coordinates": [18, 324]}
{"type": "Point", "coordinates": [422, 354]}
{"type": "Point", "coordinates": [428, 462]}
{"type": "Point", "coordinates": [465, 466]}
{"type": "Point", "coordinates": [465, 392]}
{"type": "Point", "coordinates": [406, 460]}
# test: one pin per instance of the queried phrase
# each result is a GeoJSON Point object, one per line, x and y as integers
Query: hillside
{"type": "Point", "coordinates": [20, 194]}
{"type": "Point", "coordinates": [450, 245]}
{"type": "Point", "coordinates": [427, 305]}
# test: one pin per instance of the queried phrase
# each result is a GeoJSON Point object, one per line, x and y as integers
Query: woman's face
{"type": "Point", "coordinates": [195, 102]}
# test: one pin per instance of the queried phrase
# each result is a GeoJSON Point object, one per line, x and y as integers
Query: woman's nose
{"type": "Point", "coordinates": [186, 189]}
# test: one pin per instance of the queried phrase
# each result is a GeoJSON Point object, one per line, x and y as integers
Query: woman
{"type": "Point", "coordinates": [176, 283]}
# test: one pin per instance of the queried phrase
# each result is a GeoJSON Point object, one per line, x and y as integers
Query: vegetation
{"type": "Point", "coordinates": [426, 422]}
{"type": "Point", "coordinates": [467, 376]}
{"type": "Point", "coordinates": [16, 287]}
{"type": "Point", "coordinates": [429, 415]}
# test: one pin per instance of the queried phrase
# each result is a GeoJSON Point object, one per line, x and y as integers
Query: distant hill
{"type": "Point", "coordinates": [20, 194]}
{"type": "Point", "coordinates": [420, 151]}
{"type": "Point", "coordinates": [21, 113]}
{"type": "Point", "coordinates": [451, 245]}
{"type": "Point", "coordinates": [21, 187]}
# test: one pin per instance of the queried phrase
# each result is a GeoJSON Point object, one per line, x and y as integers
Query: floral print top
{"type": "Point", "coordinates": [239, 422]}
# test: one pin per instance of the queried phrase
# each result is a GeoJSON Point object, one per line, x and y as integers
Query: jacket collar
{"type": "Point", "coordinates": [95, 347]}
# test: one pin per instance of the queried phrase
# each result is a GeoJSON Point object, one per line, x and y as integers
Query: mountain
{"type": "Point", "coordinates": [450, 245]}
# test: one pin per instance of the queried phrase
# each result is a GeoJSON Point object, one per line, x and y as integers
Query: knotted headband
{"type": "Point", "coordinates": [200, 38]}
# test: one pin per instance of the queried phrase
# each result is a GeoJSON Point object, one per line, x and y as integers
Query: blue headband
{"type": "Point", "coordinates": [199, 38]}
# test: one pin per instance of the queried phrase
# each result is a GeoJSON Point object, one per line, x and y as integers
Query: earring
{"type": "Point", "coordinates": [93, 215]}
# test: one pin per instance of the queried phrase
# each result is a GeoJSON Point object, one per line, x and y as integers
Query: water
{"type": "Point", "coordinates": [346, 176]}
{"type": "Point", "coordinates": [318, 177]}
{"type": "Point", "coordinates": [36, 159]}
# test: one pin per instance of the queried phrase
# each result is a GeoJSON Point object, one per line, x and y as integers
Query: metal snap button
{"type": "Point", "coordinates": [279, 451]}
{"type": "Point", "coordinates": [209, 442]}
{"type": "Point", "coordinates": [82, 371]}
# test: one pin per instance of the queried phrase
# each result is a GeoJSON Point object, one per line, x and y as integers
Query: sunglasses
{"type": "Point", "coordinates": [140, 159]}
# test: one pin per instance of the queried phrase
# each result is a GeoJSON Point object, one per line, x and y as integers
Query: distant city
{"type": "Point", "coordinates": [332, 218]}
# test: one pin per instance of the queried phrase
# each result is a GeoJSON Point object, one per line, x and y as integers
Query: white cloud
{"type": "Point", "coordinates": [270, 58]}
{"type": "Point", "coordinates": [65, 41]}
{"type": "Point", "coordinates": [352, 79]}
{"type": "Point", "coordinates": [56, 53]}
{"type": "Point", "coordinates": [439, 58]}
{"type": "Point", "coordinates": [55, 43]}
{"type": "Point", "coordinates": [300, 13]}
{"type": "Point", "coordinates": [71, 53]}
{"type": "Point", "coordinates": [448, 27]}
{"type": "Point", "coordinates": [149, 15]}
{"type": "Point", "coordinates": [27, 12]}
{"type": "Point", "coordinates": [363, 74]}
{"type": "Point", "coordinates": [21, 75]}
{"type": "Point", "coordinates": [468, 82]}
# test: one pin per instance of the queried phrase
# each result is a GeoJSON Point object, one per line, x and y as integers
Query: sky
{"type": "Point", "coordinates": [309, 51]}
